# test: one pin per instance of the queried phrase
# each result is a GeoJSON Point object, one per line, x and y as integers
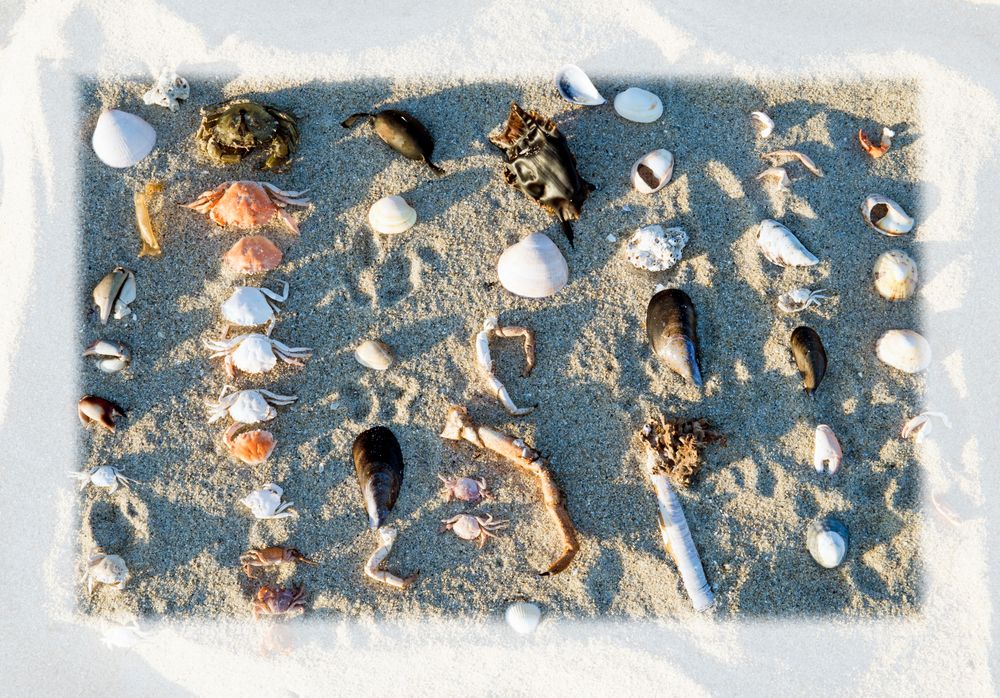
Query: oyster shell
{"type": "Point", "coordinates": [905, 350]}
{"type": "Point", "coordinates": [114, 292]}
{"type": "Point", "coordinates": [576, 88]}
{"type": "Point", "coordinates": [391, 215]}
{"type": "Point", "coordinates": [654, 249]}
{"type": "Point", "coordinates": [374, 354]}
{"type": "Point", "coordinates": [652, 171]}
{"type": "Point", "coordinates": [639, 105]}
{"type": "Point", "coordinates": [895, 275]}
{"type": "Point", "coordinates": [533, 267]}
{"type": "Point", "coordinates": [827, 540]}
{"type": "Point", "coordinates": [781, 247]}
{"type": "Point", "coordinates": [886, 216]}
{"type": "Point", "coordinates": [121, 139]}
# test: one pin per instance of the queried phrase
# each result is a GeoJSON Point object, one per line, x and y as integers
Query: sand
{"type": "Point", "coordinates": [426, 293]}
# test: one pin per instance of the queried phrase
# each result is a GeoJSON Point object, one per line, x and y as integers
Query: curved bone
{"type": "Point", "coordinates": [387, 535]}
{"type": "Point", "coordinates": [485, 361]}
{"type": "Point", "coordinates": [782, 156]}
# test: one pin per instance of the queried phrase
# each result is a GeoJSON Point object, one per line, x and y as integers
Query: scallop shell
{"type": "Point", "coordinates": [576, 88]}
{"type": "Point", "coordinates": [121, 139]}
{"type": "Point", "coordinates": [905, 350]}
{"type": "Point", "coordinates": [781, 247]}
{"type": "Point", "coordinates": [636, 104]}
{"type": "Point", "coordinates": [654, 249]}
{"type": "Point", "coordinates": [895, 275]}
{"type": "Point", "coordinates": [533, 267]}
{"type": "Point", "coordinates": [523, 617]}
{"type": "Point", "coordinates": [253, 254]}
{"type": "Point", "coordinates": [652, 171]}
{"type": "Point", "coordinates": [391, 215]}
{"type": "Point", "coordinates": [374, 354]}
{"type": "Point", "coordinates": [886, 216]}
{"type": "Point", "coordinates": [827, 540]}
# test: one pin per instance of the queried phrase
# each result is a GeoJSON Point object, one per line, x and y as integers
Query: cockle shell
{"type": "Point", "coordinates": [826, 450]}
{"type": "Point", "coordinates": [374, 354]}
{"type": "Point", "coordinates": [114, 292]}
{"type": "Point", "coordinates": [121, 139]}
{"type": "Point", "coordinates": [652, 171]}
{"type": "Point", "coordinates": [247, 306]}
{"type": "Point", "coordinates": [905, 350]}
{"type": "Point", "coordinates": [827, 540]}
{"type": "Point", "coordinates": [106, 569]}
{"type": "Point", "coordinates": [576, 88]}
{"type": "Point", "coordinates": [253, 254]}
{"type": "Point", "coordinates": [886, 216]}
{"type": "Point", "coordinates": [654, 249]}
{"type": "Point", "coordinates": [533, 267]}
{"type": "Point", "coordinates": [252, 447]}
{"type": "Point", "coordinates": [523, 617]}
{"type": "Point", "coordinates": [636, 104]}
{"type": "Point", "coordinates": [391, 215]}
{"type": "Point", "coordinates": [168, 89]}
{"type": "Point", "coordinates": [111, 357]}
{"type": "Point", "coordinates": [762, 123]}
{"type": "Point", "coordinates": [781, 247]}
{"type": "Point", "coordinates": [895, 275]}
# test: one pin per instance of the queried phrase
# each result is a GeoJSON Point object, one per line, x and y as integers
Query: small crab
{"type": "Point", "coordinates": [275, 601]}
{"type": "Point", "coordinates": [266, 503]}
{"type": "Point", "coordinates": [465, 489]}
{"type": "Point", "coordinates": [230, 131]}
{"type": "Point", "coordinates": [271, 557]}
{"type": "Point", "coordinates": [248, 204]}
{"type": "Point", "coordinates": [255, 353]}
{"type": "Point", "coordinates": [103, 476]}
{"type": "Point", "coordinates": [106, 569]}
{"type": "Point", "coordinates": [249, 306]}
{"type": "Point", "coordinates": [801, 298]}
{"type": "Point", "coordinates": [246, 406]}
{"type": "Point", "coordinates": [477, 528]}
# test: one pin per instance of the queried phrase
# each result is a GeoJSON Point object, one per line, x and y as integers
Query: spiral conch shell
{"type": "Point", "coordinates": [905, 350]}
{"type": "Point", "coordinates": [895, 275]}
{"type": "Point", "coordinates": [533, 267]}
{"type": "Point", "coordinates": [391, 215]}
{"type": "Point", "coordinates": [781, 247]}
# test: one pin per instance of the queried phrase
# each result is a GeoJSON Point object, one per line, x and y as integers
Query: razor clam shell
{"type": "Point", "coordinates": [576, 88]}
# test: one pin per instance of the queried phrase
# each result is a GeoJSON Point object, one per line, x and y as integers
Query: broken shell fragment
{"type": "Point", "coordinates": [895, 275]}
{"type": "Point", "coordinates": [672, 332]}
{"type": "Point", "coordinates": [810, 357]}
{"type": "Point", "coordinates": [147, 233]}
{"type": "Point", "coordinates": [919, 427]}
{"type": "Point", "coordinates": [781, 247]}
{"type": "Point", "coordinates": [782, 156]}
{"type": "Point", "coordinates": [114, 292]}
{"type": "Point", "coordinates": [533, 267]}
{"type": "Point", "coordinates": [826, 450]}
{"type": "Point", "coordinates": [636, 104]}
{"type": "Point", "coordinates": [96, 409]}
{"type": "Point", "coordinates": [111, 357]}
{"type": "Point", "coordinates": [121, 139]}
{"type": "Point", "coordinates": [885, 215]}
{"type": "Point", "coordinates": [905, 350]}
{"type": "Point", "coordinates": [253, 254]}
{"type": "Point", "coordinates": [652, 171]}
{"type": "Point", "coordinates": [576, 88]}
{"type": "Point", "coordinates": [168, 89]}
{"type": "Point", "coordinates": [654, 248]}
{"type": "Point", "coordinates": [374, 354]}
{"type": "Point", "coordinates": [876, 151]}
{"type": "Point", "coordinates": [776, 175]}
{"type": "Point", "coordinates": [762, 123]}
{"type": "Point", "coordinates": [827, 540]}
{"type": "Point", "coordinates": [391, 215]}
{"type": "Point", "coordinates": [106, 569]}
{"type": "Point", "coordinates": [523, 617]}
{"type": "Point", "coordinates": [252, 447]}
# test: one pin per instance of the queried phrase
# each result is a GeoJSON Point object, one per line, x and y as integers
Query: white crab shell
{"type": "Point", "coordinates": [247, 307]}
{"type": "Point", "coordinates": [106, 569]}
{"type": "Point", "coordinates": [255, 354]}
{"type": "Point", "coordinates": [467, 527]}
{"type": "Point", "coordinates": [265, 503]}
{"type": "Point", "coordinates": [251, 407]}
{"type": "Point", "coordinates": [104, 476]}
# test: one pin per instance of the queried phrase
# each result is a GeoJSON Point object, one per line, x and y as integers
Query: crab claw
{"type": "Point", "coordinates": [827, 450]}
{"type": "Point", "coordinates": [96, 409]}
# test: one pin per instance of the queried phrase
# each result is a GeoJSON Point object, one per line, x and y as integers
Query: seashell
{"type": "Point", "coordinates": [374, 354]}
{"type": "Point", "coordinates": [168, 89]}
{"type": "Point", "coordinates": [114, 292]}
{"type": "Point", "coordinates": [106, 569]}
{"type": "Point", "coordinates": [919, 427]}
{"type": "Point", "coordinates": [827, 540]}
{"type": "Point", "coordinates": [654, 249]}
{"type": "Point", "coordinates": [778, 175]}
{"type": "Point", "coordinates": [253, 254]}
{"type": "Point", "coordinates": [781, 247]}
{"type": "Point", "coordinates": [92, 408]}
{"type": "Point", "coordinates": [121, 139]}
{"type": "Point", "coordinates": [111, 356]}
{"type": "Point", "coordinates": [763, 123]}
{"type": "Point", "coordinates": [876, 151]}
{"type": "Point", "coordinates": [576, 88]}
{"type": "Point", "coordinates": [533, 267]}
{"type": "Point", "coordinates": [378, 465]}
{"type": "Point", "coordinates": [636, 104]}
{"type": "Point", "coordinates": [252, 447]}
{"type": "Point", "coordinates": [523, 617]}
{"type": "Point", "coordinates": [652, 171]}
{"type": "Point", "coordinates": [672, 332]}
{"type": "Point", "coordinates": [810, 357]}
{"type": "Point", "coordinates": [885, 215]}
{"type": "Point", "coordinates": [905, 350]}
{"type": "Point", "coordinates": [826, 450]}
{"type": "Point", "coordinates": [391, 215]}
{"type": "Point", "coordinates": [249, 306]}
{"type": "Point", "coordinates": [895, 275]}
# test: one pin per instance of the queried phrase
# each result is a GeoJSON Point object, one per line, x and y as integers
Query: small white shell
{"type": "Point", "coordinates": [121, 139]}
{"type": "Point", "coordinates": [919, 427]}
{"type": "Point", "coordinates": [652, 171]}
{"type": "Point", "coordinates": [533, 267]}
{"type": "Point", "coordinates": [895, 275]}
{"type": "Point", "coordinates": [781, 247]}
{"type": "Point", "coordinates": [763, 123]}
{"type": "Point", "coordinates": [250, 407]}
{"type": "Point", "coordinates": [886, 216]}
{"type": "Point", "coordinates": [111, 357]}
{"type": "Point", "coordinates": [167, 90]}
{"type": "Point", "coordinates": [827, 541]}
{"type": "Point", "coordinates": [247, 307]}
{"type": "Point", "coordinates": [523, 617]}
{"type": "Point", "coordinates": [575, 87]}
{"type": "Point", "coordinates": [374, 354]}
{"type": "Point", "coordinates": [905, 350]}
{"type": "Point", "coordinates": [391, 215]}
{"type": "Point", "coordinates": [636, 104]}
{"type": "Point", "coordinates": [106, 569]}
{"type": "Point", "coordinates": [654, 249]}
{"type": "Point", "coordinates": [826, 450]}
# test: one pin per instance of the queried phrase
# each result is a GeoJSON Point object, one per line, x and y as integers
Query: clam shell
{"type": "Point", "coordinates": [827, 540]}
{"type": "Point", "coordinates": [763, 123]}
{"type": "Point", "coordinates": [374, 354]}
{"type": "Point", "coordinates": [905, 350]}
{"type": "Point", "coordinates": [253, 254]}
{"type": "Point", "coordinates": [121, 139]}
{"type": "Point", "coordinates": [654, 249]}
{"type": "Point", "coordinates": [781, 247]}
{"type": "Point", "coordinates": [895, 275]}
{"type": "Point", "coordinates": [575, 87]}
{"type": "Point", "coordinates": [391, 215]}
{"type": "Point", "coordinates": [523, 617]}
{"type": "Point", "coordinates": [639, 105]}
{"type": "Point", "coordinates": [652, 171]}
{"type": "Point", "coordinates": [533, 267]}
{"type": "Point", "coordinates": [886, 216]}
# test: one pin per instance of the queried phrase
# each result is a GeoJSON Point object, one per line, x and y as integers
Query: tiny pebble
{"type": "Point", "coordinates": [626, 208]}
{"type": "Point", "coordinates": [612, 238]}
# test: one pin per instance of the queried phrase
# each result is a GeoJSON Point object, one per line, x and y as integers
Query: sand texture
{"type": "Point", "coordinates": [426, 293]}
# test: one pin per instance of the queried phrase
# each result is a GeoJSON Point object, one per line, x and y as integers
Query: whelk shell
{"type": "Point", "coordinates": [111, 356]}
{"type": "Point", "coordinates": [652, 171]}
{"type": "Point", "coordinates": [905, 350]}
{"type": "Point", "coordinates": [826, 450]}
{"type": "Point", "coordinates": [121, 139]}
{"type": "Point", "coordinates": [654, 249]}
{"type": "Point", "coordinates": [636, 104]}
{"type": "Point", "coordinates": [763, 123]}
{"type": "Point", "coordinates": [885, 215]}
{"type": "Point", "coordinates": [391, 215]}
{"type": "Point", "coordinates": [533, 267]}
{"type": "Point", "coordinates": [374, 354]}
{"type": "Point", "coordinates": [114, 292]}
{"type": "Point", "coordinates": [810, 357]}
{"type": "Point", "coordinates": [827, 540]}
{"type": "Point", "coordinates": [781, 247]}
{"type": "Point", "coordinates": [895, 275]}
{"type": "Point", "coordinates": [523, 617]}
{"type": "Point", "coordinates": [253, 254]}
{"type": "Point", "coordinates": [576, 88]}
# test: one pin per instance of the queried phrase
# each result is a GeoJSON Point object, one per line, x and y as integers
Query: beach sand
{"type": "Point", "coordinates": [426, 292]}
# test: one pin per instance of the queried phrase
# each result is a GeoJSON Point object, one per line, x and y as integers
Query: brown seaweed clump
{"type": "Point", "coordinates": [677, 444]}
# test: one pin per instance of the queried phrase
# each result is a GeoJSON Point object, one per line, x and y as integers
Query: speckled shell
{"type": "Point", "coordinates": [121, 139]}
{"type": "Point", "coordinates": [895, 275]}
{"type": "Point", "coordinates": [254, 354]}
{"type": "Point", "coordinates": [905, 350]}
{"type": "Point", "coordinates": [639, 105]}
{"type": "Point", "coordinates": [827, 540]}
{"type": "Point", "coordinates": [247, 307]}
{"type": "Point", "coordinates": [533, 267]}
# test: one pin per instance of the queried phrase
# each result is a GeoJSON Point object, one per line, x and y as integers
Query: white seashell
{"type": "Point", "coordinates": [827, 451]}
{"type": "Point", "coordinates": [778, 175]}
{"type": "Point", "coordinates": [391, 215]}
{"type": "Point", "coordinates": [652, 171]}
{"type": "Point", "coordinates": [533, 267]}
{"type": "Point", "coordinates": [121, 139]}
{"type": "Point", "coordinates": [374, 354]}
{"type": "Point", "coordinates": [827, 540]}
{"type": "Point", "coordinates": [654, 249]}
{"type": "Point", "coordinates": [919, 427]}
{"type": "Point", "coordinates": [575, 87]}
{"type": "Point", "coordinates": [636, 104]}
{"type": "Point", "coordinates": [523, 617]}
{"type": "Point", "coordinates": [895, 275]}
{"type": "Point", "coordinates": [251, 407]}
{"type": "Point", "coordinates": [781, 247]}
{"type": "Point", "coordinates": [111, 356]}
{"type": "Point", "coordinates": [905, 350]}
{"type": "Point", "coordinates": [249, 306]}
{"type": "Point", "coordinates": [763, 123]}
{"type": "Point", "coordinates": [265, 503]}
{"type": "Point", "coordinates": [106, 569]}
{"type": "Point", "coordinates": [167, 90]}
{"type": "Point", "coordinates": [885, 215]}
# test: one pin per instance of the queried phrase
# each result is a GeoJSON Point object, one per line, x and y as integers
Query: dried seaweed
{"type": "Point", "coordinates": [678, 444]}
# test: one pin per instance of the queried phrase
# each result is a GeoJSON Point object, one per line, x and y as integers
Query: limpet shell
{"type": "Point", "coordinates": [374, 354]}
{"type": "Point", "coordinates": [905, 350]}
{"type": "Point", "coordinates": [895, 275]}
{"type": "Point", "coordinates": [652, 171]}
{"type": "Point", "coordinates": [533, 267]}
{"type": "Point", "coordinates": [639, 105]}
{"type": "Point", "coordinates": [523, 617]}
{"type": "Point", "coordinates": [391, 215]}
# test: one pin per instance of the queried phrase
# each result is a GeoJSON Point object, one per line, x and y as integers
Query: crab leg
{"type": "Point", "coordinates": [207, 199]}
{"type": "Point", "coordinates": [292, 355]}
{"type": "Point", "coordinates": [276, 399]}
{"type": "Point", "coordinates": [281, 298]}
{"type": "Point", "coordinates": [485, 361]}
{"type": "Point", "coordinates": [282, 197]}
{"type": "Point", "coordinates": [387, 535]}
{"type": "Point", "coordinates": [459, 426]}
{"type": "Point", "coordinates": [221, 347]}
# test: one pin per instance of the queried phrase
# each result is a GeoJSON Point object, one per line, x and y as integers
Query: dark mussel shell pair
{"type": "Point", "coordinates": [378, 464]}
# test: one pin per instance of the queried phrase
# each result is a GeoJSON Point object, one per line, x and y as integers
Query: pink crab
{"type": "Point", "coordinates": [477, 528]}
{"type": "Point", "coordinates": [248, 204]}
{"type": "Point", "coordinates": [274, 601]}
{"type": "Point", "coordinates": [465, 489]}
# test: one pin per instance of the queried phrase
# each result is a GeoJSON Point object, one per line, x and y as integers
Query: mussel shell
{"type": "Point", "coordinates": [672, 332]}
{"type": "Point", "coordinates": [810, 357]}
{"type": "Point", "coordinates": [378, 464]}
{"type": "Point", "coordinates": [827, 540]}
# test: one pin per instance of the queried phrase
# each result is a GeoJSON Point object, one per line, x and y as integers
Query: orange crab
{"type": "Point", "coordinates": [249, 204]}
{"type": "Point", "coordinates": [876, 151]}
{"type": "Point", "coordinates": [251, 447]}
{"type": "Point", "coordinates": [274, 601]}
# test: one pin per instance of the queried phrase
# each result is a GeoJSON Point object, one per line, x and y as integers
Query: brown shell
{"type": "Point", "coordinates": [253, 254]}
